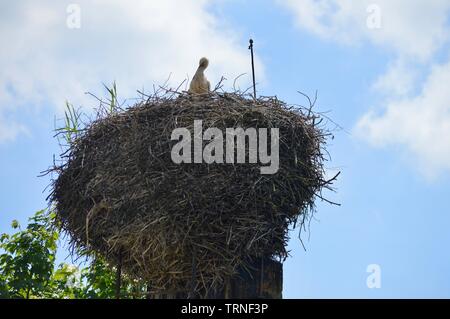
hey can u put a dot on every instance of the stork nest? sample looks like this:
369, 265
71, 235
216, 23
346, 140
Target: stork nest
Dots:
118, 193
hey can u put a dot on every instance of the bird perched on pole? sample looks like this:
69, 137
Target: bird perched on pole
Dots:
199, 83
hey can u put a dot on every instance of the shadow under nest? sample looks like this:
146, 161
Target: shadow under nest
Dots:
119, 194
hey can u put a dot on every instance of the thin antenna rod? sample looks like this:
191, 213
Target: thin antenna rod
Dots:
253, 68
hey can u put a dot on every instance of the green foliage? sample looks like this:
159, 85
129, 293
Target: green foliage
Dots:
27, 267
100, 281
65, 283
72, 123
113, 104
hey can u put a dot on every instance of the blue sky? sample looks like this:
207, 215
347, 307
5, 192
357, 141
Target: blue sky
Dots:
387, 86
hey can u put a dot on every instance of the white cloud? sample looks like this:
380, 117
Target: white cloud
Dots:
422, 123
413, 28
399, 79
10, 130
413, 31
136, 43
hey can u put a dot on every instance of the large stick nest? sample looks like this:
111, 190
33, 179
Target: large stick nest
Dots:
118, 192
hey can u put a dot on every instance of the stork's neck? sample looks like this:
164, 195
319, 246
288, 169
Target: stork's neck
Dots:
200, 69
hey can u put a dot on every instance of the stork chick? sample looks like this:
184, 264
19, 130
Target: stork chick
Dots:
199, 83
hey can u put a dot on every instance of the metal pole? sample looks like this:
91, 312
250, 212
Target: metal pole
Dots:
119, 276
253, 68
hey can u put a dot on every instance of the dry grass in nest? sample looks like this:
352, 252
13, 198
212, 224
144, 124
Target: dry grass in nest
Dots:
118, 193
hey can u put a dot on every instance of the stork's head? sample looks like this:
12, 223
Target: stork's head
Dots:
204, 63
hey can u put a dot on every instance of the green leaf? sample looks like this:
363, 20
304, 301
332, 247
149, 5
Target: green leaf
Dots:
15, 224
